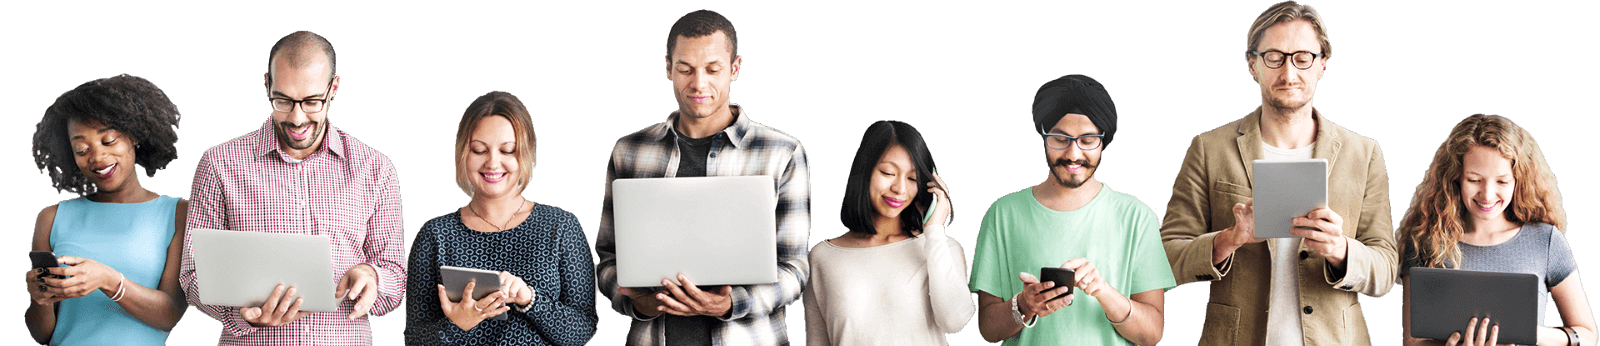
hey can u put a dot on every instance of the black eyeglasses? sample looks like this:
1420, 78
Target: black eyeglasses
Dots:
1274, 58
1060, 141
310, 105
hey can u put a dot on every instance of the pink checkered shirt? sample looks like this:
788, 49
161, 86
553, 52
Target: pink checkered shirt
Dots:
345, 190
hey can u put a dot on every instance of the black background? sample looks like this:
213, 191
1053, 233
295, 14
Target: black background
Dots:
965, 77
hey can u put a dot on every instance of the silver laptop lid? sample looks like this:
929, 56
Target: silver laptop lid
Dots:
714, 230
238, 268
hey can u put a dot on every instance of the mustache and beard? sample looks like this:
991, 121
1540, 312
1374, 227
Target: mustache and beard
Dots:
1068, 179
316, 131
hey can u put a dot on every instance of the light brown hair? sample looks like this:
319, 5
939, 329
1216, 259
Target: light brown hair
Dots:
1432, 227
1285, 12
501, 104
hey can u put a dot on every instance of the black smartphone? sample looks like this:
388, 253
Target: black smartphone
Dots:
45, 259
1061, 276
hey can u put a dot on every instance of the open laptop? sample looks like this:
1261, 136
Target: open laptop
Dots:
236, 268
1444, 300
714, 230
1285, 189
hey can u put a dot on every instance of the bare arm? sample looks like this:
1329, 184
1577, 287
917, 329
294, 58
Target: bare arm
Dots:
1146, 322
41, 319
994, 318
1575, 313
163, 306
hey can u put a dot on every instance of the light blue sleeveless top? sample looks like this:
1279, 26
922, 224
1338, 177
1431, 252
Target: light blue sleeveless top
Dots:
130, 238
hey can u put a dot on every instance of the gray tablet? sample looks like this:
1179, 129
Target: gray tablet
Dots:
455, 281
240, 268
1285, 189
1444, 300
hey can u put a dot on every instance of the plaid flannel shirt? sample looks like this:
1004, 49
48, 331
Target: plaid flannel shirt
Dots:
345, 190
757, 314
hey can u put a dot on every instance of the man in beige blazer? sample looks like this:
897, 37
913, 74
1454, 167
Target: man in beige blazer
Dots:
1289, 291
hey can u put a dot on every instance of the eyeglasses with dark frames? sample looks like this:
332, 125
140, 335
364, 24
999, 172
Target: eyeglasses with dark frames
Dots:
1060, 141
309, 105
1275, 58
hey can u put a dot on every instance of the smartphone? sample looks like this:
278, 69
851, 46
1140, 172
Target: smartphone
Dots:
931, 206
1061, 276
45, 259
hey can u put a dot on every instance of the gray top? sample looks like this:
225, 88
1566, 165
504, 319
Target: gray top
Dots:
1537, 249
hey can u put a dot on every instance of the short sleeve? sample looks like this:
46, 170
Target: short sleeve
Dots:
1408, 257
990, 267
1153, 271
1561, 263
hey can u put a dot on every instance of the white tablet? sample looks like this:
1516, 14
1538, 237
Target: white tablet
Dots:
715, 230
1285, 189
239, 268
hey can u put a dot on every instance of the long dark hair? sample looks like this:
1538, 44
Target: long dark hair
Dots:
857, 211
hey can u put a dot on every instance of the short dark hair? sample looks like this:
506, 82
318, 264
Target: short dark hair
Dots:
128, 104
1075, 94
297, 43
857, 210
699, 24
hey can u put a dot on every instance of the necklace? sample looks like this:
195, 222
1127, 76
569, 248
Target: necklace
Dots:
503, 225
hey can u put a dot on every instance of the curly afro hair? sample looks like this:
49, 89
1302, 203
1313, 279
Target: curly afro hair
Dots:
125, 103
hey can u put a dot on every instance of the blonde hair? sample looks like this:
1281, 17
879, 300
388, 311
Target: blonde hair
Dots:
1432, 227
501, 104
1284, 12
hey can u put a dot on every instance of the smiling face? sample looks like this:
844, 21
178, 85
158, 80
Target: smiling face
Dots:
1288, 88
894, 183
103, 154
1487, 183
300, 133
1072, 167
491, 158
701, 70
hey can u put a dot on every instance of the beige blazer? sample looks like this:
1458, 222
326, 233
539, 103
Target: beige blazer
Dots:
1216, 174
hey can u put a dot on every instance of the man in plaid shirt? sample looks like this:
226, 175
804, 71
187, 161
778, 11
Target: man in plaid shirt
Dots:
299, 175
709, 137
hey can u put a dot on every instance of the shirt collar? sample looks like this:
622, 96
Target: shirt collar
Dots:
736, 132
267, 142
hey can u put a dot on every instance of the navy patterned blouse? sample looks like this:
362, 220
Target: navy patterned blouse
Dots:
548, 251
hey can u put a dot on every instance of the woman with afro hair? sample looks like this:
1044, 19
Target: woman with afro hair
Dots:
118, 242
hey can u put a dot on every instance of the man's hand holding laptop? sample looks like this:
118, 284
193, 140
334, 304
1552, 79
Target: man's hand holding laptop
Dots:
360, 283
681, 300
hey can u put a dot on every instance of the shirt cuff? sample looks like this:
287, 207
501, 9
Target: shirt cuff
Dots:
740, 306
627, 305
1355, 264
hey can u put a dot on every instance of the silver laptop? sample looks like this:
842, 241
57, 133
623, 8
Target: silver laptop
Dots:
1444, 300
236, 268
1285, 189
714, 230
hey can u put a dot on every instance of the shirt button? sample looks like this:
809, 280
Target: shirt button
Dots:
1307, 309
1303, 255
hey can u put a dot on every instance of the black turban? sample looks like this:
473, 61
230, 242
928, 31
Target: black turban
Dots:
1075, 94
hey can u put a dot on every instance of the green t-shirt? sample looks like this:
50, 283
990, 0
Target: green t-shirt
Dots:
1115, 232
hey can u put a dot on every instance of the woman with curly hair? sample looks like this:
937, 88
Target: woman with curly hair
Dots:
117, 237
1489, 202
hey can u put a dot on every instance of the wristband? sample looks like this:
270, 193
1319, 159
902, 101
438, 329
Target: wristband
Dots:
120, 282
1125, 319
1016, 313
